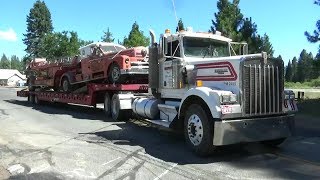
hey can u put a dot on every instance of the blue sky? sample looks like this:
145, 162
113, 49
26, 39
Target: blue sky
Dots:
285, 21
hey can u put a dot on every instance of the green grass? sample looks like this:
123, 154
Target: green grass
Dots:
305, 85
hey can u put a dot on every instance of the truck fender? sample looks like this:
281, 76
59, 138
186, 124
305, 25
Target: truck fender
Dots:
209, 96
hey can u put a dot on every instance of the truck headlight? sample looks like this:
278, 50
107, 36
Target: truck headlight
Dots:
228, 98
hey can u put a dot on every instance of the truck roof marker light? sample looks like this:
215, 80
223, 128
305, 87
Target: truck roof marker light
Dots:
199, 83
167, 31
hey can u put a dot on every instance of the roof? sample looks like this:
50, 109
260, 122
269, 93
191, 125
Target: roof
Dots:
103, 44
7, 73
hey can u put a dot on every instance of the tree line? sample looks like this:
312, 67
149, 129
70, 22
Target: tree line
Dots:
305, 67
11, 63
42, 41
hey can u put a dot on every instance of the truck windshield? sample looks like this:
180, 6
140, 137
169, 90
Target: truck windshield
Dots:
205, 47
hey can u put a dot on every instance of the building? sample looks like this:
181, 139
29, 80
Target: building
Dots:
11, 77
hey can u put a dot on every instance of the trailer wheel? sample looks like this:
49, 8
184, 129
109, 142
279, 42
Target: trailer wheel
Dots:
114, 73
274, 142
66, 86
36, 100
198, 130
31, 98
118, 114
107, 104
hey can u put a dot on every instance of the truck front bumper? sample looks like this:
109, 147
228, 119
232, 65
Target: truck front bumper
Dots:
251, 130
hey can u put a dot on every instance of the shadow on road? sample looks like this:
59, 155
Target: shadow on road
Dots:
76, 111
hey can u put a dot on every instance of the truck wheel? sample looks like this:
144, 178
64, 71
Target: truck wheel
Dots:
66, 86
198, 130
274, 142
116, 113
107, 104
114, 73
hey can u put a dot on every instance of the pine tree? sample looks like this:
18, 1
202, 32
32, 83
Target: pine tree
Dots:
15, 63
38, 25
294, 69
180, 26
107, 37
266, 45
228, 20
316, 33
136, 37
304, 69
288, 75
4, 62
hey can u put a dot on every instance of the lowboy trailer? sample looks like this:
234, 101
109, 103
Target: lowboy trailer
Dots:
198, 85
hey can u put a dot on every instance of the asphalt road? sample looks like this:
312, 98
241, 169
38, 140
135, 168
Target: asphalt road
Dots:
55, 141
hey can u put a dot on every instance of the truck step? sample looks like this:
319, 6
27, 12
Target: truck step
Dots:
160, 122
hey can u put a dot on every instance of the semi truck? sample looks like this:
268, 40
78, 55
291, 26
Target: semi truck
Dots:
203, 85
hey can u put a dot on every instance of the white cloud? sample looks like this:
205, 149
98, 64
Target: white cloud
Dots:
8, 35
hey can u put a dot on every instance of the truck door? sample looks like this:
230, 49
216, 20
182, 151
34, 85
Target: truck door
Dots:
172, 66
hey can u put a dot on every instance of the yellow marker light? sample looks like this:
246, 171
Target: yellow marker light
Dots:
199, 83
167, 31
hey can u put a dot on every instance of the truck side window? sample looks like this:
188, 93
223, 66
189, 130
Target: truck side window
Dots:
173, 49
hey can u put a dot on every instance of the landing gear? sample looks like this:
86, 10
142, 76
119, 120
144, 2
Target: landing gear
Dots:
198, 130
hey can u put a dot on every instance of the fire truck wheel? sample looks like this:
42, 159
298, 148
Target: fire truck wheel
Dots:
274, 142
198, 130
66, 86
114, 73
107, 104
118, 114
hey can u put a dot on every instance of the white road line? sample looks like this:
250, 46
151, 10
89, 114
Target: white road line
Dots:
110, 161
165, 172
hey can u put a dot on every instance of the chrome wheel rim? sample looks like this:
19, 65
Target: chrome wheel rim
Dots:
195, 129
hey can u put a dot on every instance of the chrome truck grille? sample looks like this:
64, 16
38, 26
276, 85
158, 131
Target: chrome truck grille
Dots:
262, 86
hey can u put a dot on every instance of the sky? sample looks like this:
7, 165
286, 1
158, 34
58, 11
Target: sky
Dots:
285, 21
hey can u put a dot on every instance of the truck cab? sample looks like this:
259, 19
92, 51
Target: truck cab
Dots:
222, 95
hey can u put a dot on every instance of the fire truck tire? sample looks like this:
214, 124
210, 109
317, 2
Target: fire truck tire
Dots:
107, 104
274, 142
66, 86
114, 73
198, 130
118, 114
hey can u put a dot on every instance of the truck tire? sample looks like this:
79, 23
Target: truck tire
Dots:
118, 114
198, 130
66, 86
107, 104
274, 142
114, 74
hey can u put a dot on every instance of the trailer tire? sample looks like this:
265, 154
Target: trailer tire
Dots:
107, 104
36, 100
118, 114
31, 98
274, 142
198, 130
